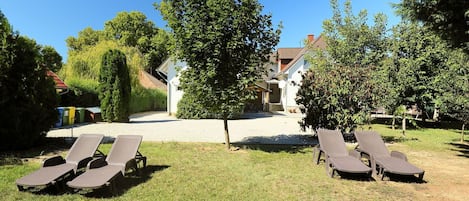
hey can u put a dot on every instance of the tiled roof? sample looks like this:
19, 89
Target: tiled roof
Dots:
59, 84
320, 43
288, 53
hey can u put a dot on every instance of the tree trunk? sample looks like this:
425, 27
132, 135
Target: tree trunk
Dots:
404, 119
462, 132
393, 122
227, 134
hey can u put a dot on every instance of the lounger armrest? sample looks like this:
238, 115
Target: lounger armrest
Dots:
354, 153
56, 160
96, 163
398, 154
83, 163
131, 164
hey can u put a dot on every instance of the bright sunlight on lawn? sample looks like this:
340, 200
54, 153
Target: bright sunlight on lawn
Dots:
204, 171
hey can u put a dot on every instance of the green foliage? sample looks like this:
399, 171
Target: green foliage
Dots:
82, 71
189, 108
224, 42
147, 99
337, 91
455, 87
131, 29
335, 97
418, 58
28, 97
114, 87
50, 58
448, 18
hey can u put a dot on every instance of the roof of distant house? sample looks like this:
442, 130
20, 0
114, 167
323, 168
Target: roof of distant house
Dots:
288, 53
59, 84
319, 43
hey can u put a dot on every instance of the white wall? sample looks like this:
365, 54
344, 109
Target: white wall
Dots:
174, 94
294, 76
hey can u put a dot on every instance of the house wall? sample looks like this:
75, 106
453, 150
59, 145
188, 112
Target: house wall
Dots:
290, 89
174, 94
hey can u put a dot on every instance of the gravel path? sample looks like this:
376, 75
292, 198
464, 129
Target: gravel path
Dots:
255, 128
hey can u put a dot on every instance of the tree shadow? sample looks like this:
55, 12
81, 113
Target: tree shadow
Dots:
150, 121
462, 148
46, 147
278, 143
125, 183
394, 139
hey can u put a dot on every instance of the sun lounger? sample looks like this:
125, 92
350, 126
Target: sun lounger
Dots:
57, 169
123, 156
383, 162
338, 159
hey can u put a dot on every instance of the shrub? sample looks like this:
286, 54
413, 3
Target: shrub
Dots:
147, 99
189, 108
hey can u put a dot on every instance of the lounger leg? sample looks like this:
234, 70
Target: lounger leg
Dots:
421, 176
20, 188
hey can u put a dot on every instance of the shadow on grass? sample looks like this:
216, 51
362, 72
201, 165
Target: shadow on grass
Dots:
47, 147
279, 143
123, 184
356, 177
462, 148
404, 178
394, 139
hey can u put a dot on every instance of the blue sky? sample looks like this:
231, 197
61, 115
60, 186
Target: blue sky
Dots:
50, 22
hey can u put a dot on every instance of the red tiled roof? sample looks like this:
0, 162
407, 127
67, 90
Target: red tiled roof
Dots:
319, 43
59, 84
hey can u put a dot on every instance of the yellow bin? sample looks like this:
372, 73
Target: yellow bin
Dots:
71, 115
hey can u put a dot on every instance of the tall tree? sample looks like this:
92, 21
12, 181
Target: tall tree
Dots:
114, 88
337, 90
27, 96
416, 60
225, 43
454, 85
50, 58
448, 18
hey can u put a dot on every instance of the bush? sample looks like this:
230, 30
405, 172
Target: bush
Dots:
146, 100
188, 108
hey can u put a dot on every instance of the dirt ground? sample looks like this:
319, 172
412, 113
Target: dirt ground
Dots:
446, 175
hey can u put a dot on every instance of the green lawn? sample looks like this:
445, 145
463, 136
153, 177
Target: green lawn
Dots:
204, 171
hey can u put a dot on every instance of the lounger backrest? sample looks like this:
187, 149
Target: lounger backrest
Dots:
125, 148
332, 142
85, 146
372, 143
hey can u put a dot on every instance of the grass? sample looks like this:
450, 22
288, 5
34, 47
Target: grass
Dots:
205, 171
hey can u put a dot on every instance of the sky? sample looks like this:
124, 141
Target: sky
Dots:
51, 22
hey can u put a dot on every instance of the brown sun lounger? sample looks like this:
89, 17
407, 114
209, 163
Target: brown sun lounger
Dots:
372, 146
332, 144
123, 156
57, 169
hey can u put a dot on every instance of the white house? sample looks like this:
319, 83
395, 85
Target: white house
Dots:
291, 65
276, 92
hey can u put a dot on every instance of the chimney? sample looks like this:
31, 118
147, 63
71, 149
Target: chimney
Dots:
310, 38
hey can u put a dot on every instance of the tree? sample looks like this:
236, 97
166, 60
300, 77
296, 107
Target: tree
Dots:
455, 89
28, 98
448, 18
131, 29
337, 91
417, 59
225, 43
50, 58
114, 88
